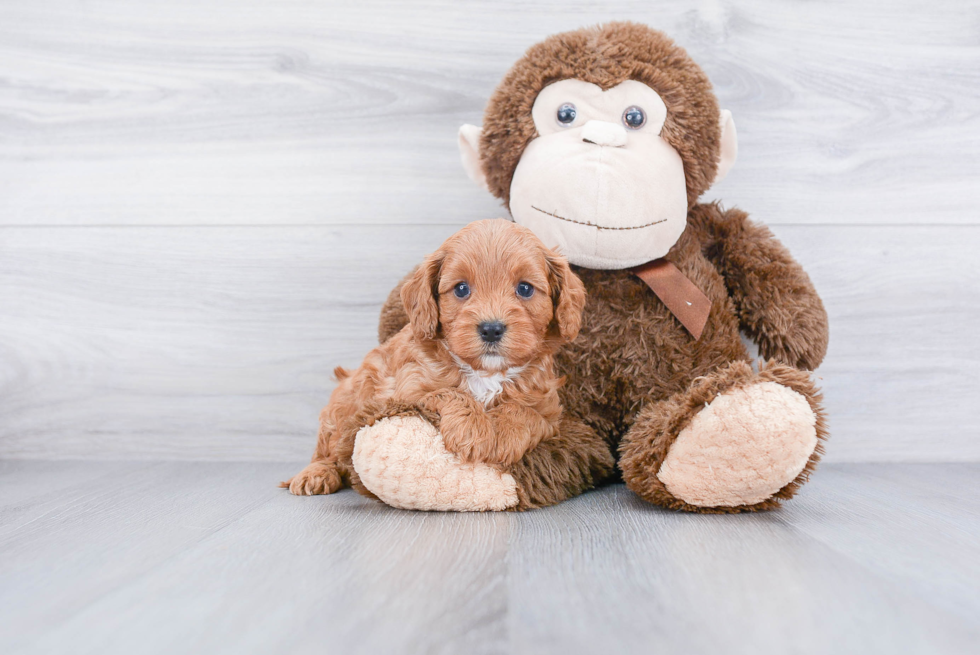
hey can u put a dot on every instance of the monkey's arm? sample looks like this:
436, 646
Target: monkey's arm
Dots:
393, 317
777, 304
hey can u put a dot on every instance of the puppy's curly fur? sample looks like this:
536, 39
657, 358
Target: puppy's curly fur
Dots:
493, 400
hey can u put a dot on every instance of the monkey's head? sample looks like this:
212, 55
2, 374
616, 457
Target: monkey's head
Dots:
600, 140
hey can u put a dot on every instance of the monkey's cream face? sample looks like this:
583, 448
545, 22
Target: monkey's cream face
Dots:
599, 183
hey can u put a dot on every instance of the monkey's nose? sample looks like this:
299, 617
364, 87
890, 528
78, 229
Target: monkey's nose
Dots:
603, 133
491, 331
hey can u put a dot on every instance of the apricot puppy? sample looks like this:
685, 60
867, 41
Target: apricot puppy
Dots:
486, 312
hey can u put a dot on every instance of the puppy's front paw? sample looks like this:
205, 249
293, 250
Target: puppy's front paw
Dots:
457, 444
316, 479
487, 448
447, 402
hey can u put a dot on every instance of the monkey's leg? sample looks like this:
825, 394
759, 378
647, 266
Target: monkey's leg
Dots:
565, 465
735, 441
403, 461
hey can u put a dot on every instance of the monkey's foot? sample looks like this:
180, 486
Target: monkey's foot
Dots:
736, 441
402, 460
742, 448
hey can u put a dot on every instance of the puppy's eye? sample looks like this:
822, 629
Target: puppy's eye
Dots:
461, 290
566, 114
525, 290
634, 117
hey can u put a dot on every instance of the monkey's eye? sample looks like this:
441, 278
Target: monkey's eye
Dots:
461, 290
634, 117
566, 114
525, 290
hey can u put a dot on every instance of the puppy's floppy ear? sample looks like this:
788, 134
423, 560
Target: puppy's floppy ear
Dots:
567, 296
420, 297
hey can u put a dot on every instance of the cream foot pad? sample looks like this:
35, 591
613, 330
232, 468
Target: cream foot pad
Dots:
743, 447
402, 461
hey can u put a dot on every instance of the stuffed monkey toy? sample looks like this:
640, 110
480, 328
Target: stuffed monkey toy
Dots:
601, 141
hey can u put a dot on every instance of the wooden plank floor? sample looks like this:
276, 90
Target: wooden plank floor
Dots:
164, 557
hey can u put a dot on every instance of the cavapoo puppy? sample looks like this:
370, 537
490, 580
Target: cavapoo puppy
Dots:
486, 312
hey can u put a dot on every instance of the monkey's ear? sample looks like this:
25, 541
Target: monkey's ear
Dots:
729, 146
567, 296
469, 151
420, 297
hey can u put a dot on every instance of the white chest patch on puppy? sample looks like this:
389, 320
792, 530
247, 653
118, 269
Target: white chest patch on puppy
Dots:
486, 385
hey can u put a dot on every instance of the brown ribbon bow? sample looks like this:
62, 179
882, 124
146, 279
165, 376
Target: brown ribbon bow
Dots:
679, 294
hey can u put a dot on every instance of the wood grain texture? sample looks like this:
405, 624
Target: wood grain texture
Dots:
238, 112
882, 503
218, 343
212, 558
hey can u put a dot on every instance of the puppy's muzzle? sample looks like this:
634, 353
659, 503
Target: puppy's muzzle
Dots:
491, 331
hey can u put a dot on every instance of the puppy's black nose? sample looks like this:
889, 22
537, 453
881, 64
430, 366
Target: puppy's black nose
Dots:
491, 331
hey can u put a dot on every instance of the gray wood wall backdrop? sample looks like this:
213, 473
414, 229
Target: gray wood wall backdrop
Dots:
203, 203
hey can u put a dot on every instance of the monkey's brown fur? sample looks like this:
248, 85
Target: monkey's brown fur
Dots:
635, 376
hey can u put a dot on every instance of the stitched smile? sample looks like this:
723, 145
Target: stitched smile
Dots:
598, 227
